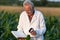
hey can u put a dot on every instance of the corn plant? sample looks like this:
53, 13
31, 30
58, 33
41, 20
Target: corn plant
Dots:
8, 22
53, 28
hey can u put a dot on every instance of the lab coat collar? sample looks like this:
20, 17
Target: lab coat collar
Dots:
33, 19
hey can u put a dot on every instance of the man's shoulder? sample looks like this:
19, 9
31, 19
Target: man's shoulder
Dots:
39, 12
22, 13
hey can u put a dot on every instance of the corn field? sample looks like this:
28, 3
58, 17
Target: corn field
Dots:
9, 22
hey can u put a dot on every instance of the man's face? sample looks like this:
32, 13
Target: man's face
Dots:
28, 8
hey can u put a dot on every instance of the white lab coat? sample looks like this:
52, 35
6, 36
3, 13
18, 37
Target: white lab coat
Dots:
37, 23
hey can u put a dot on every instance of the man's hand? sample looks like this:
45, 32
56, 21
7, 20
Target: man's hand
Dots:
21, 38
32, 31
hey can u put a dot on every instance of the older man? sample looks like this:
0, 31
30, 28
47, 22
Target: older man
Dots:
32, 22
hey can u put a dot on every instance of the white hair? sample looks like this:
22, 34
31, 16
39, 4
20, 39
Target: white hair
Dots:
29, 2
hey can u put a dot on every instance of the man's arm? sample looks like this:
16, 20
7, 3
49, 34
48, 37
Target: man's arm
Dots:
19, 27
42, 27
